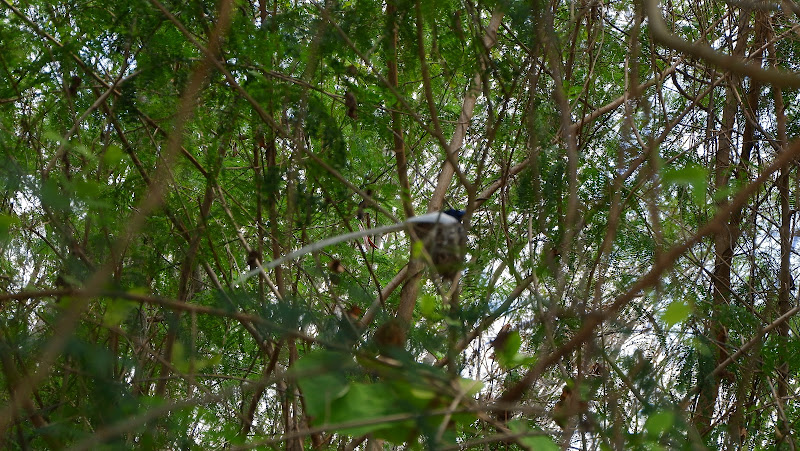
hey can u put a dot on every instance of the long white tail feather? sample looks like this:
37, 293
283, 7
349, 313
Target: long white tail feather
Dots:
435, 217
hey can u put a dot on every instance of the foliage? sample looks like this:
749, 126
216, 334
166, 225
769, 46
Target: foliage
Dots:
628, 282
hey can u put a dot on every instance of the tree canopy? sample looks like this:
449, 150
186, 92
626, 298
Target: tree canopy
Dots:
628, 172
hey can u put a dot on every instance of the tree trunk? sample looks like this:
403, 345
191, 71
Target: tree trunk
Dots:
724, 242
784, 276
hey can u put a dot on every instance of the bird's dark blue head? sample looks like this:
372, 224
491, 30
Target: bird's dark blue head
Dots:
458, 214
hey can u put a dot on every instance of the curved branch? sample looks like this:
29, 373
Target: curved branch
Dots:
730, 63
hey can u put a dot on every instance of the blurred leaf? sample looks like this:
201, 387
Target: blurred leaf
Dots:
509, 349
84, 151
659, 422
417, 249
321, 376
87, 190
536, 441
53, 197
7, 222
427, 305
117, 310
677, 312
366, 402
113, 156
471, 387
359, 295
179, 358
692, 175
508, 355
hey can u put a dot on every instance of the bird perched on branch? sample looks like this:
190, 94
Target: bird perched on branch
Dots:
444, 238
442, 235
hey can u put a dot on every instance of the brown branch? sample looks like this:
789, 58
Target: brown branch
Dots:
611, 106
727, 62
397, 121
167, 303
464, 118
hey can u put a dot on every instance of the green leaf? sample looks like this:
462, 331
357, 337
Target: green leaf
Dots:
179, 357
112, 156
509, 349
417, 249
508, 355
659, 422
365, 402
87, 190
84, 151
359, 295
53, 197
6, 223
538, 442
117, 310
693, 175
427, 305
470, 386
321, 376
676, 312
200, 364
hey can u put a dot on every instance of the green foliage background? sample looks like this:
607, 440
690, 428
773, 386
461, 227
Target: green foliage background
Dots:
141, 179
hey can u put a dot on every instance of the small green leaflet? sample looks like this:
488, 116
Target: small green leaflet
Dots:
693, 176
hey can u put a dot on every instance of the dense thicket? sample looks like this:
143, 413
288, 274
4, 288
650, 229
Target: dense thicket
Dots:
628, 172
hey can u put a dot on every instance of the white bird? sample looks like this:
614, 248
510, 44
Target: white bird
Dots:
441, 233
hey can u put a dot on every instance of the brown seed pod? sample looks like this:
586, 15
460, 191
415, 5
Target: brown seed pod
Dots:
351, 103
335, 266
391, 335
74, 84
253, 259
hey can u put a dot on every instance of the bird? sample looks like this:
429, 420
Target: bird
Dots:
442, 234
444, 238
